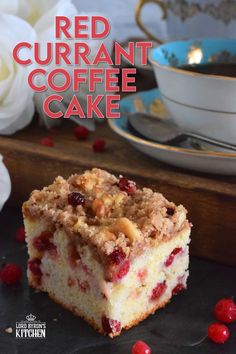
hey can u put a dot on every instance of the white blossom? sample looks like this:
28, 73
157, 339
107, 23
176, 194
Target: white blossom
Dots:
5, 184
16, 97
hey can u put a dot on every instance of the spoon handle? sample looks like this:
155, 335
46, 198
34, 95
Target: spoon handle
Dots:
211, 141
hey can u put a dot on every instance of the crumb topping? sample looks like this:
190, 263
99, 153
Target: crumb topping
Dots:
110, 217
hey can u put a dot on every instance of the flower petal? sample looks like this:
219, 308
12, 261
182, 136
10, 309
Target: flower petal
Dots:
16, 96
47, 20
5, 184
32, 10
6, 71
21, 122
14, 30
9, 6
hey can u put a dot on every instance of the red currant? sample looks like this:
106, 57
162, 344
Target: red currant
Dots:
47, 141
170, 211
99, 145
123, 270
225, 310
218, 333
179, 287
171, 257
42, 242
81, 133
20, 234
117, 256
75, 199
158, 291
34, 266
110, 326
141, 347
127, 185
11, 274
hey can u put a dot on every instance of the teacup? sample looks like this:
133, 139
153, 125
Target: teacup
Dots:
198, 102
186, 19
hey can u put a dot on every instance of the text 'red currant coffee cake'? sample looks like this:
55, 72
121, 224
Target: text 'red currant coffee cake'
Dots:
106, 250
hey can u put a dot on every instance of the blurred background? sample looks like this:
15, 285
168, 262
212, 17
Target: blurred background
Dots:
122, 15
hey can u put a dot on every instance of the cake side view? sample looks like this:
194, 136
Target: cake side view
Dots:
106, 250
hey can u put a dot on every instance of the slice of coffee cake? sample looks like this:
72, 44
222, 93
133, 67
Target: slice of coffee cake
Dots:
106, 250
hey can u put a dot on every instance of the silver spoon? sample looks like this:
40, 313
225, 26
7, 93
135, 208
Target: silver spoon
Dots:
166, 132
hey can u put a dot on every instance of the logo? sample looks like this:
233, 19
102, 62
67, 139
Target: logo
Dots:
30, 328
30, 317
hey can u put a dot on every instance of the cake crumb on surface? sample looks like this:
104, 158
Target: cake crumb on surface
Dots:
9, 330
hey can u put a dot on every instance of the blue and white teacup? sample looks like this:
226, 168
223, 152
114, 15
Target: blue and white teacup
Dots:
198, 102
186, 19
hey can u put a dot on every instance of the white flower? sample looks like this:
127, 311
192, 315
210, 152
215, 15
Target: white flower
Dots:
5, 184
16, 97
30, 10
41, 15
9, 7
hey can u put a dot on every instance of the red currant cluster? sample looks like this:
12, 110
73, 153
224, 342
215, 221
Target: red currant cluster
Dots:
218, 332
81, 133
225, 312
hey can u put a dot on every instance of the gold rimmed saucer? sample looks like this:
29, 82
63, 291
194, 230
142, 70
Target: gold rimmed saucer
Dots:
219, 162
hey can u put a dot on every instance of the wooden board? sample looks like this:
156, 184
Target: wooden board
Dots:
211, 200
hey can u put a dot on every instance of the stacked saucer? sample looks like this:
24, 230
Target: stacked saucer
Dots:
190, 154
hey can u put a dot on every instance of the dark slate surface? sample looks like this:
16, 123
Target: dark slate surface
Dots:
174, 330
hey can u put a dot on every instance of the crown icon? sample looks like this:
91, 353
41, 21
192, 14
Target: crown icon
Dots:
30, 317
